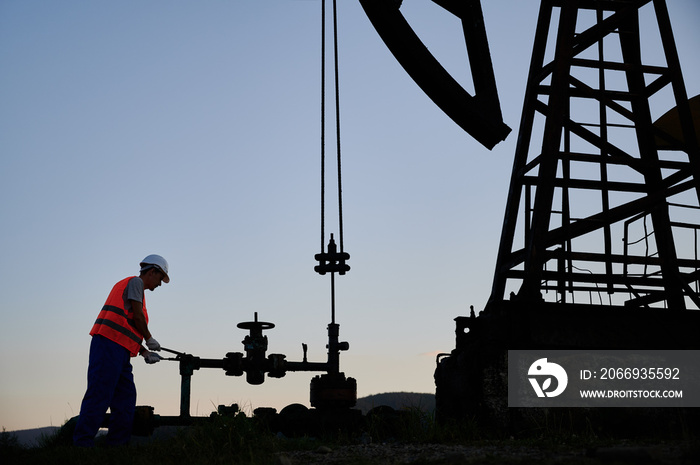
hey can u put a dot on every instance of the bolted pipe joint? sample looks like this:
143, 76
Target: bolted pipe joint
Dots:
277, 365
233, 364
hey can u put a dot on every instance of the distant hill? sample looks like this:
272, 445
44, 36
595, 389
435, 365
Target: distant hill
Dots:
31, 437
398, 401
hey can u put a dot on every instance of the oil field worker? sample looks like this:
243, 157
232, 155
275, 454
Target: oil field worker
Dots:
117, 334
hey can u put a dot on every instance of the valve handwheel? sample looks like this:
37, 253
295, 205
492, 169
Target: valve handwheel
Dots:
262, 325
256, 325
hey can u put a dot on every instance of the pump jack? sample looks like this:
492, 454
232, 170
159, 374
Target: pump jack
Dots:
644, 170
599, 202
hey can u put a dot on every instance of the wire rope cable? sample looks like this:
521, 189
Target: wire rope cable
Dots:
323, 123
337, 123
333, 261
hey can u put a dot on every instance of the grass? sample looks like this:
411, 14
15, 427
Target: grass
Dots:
231, 440
239, 439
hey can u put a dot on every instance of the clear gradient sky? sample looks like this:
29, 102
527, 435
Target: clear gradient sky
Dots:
191, 130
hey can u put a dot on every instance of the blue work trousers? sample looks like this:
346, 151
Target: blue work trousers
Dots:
110, 385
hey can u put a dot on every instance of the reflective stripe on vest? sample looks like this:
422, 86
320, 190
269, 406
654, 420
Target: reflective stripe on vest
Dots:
116, 324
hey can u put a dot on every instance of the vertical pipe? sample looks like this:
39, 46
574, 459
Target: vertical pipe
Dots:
332, 297
185, 395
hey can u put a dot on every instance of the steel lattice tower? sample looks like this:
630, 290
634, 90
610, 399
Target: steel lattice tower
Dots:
604, 194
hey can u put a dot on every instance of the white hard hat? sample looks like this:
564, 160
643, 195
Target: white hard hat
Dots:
157, 261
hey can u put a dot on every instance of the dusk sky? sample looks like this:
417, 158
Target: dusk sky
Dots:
192, 130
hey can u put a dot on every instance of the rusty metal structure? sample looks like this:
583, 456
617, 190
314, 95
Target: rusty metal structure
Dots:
599, 245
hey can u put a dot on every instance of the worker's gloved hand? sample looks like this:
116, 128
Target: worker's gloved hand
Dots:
151, 357
152, 344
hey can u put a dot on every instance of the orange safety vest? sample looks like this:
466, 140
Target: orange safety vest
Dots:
117, 324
